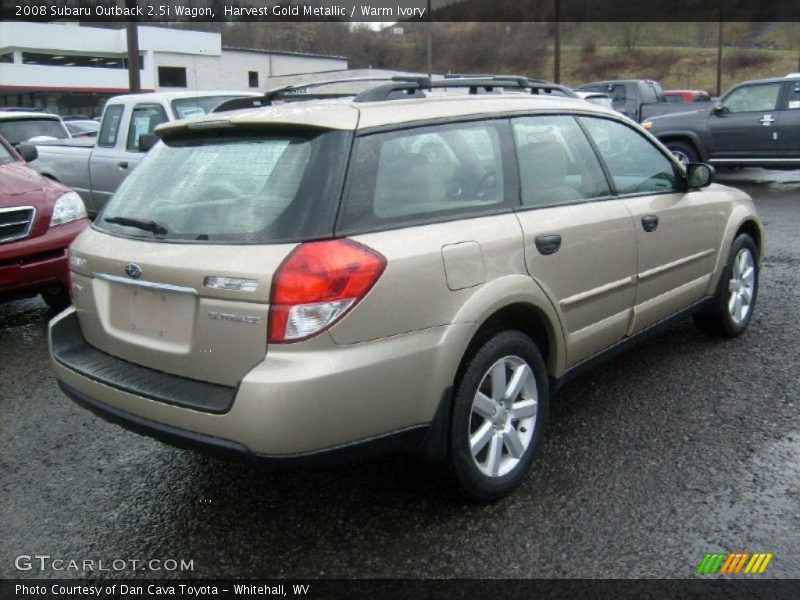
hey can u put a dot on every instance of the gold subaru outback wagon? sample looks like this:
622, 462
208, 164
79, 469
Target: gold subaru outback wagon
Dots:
409, 268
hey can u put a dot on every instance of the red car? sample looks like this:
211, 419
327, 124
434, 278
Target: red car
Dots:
39, 218
686, 96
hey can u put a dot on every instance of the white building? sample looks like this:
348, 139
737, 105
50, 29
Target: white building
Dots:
71, 69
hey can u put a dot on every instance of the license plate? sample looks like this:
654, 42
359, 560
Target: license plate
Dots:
153, 314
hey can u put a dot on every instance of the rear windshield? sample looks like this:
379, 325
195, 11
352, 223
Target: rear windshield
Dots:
21, 130
270, 188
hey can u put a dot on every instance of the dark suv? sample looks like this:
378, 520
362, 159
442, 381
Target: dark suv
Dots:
755, 124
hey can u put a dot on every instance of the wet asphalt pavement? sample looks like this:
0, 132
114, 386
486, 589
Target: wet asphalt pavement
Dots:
682, 446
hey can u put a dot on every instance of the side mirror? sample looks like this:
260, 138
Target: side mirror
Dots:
147, 141
719, 109
27, 151
700, 175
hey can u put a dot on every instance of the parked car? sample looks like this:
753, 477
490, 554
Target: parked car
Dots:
686, 96
28, 109
18, 126
596, 98
82, 129
95, 168
755, 124
39, 219
637, 99
296, 282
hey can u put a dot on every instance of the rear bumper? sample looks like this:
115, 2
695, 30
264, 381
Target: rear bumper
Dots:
308, 406
30, 265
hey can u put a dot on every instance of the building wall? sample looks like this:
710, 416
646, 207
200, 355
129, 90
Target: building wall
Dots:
208, 66
230, 70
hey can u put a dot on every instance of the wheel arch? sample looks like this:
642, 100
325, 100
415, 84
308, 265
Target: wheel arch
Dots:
686, 137
742, 220
521, 316
753, 229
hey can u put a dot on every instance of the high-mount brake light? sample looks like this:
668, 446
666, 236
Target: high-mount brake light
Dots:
317, 284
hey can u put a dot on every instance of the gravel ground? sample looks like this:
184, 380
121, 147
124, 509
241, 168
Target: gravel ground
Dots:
682, 446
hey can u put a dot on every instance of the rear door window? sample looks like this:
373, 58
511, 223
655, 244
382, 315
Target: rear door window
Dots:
109, 128
793, 95
424, 174
556, 162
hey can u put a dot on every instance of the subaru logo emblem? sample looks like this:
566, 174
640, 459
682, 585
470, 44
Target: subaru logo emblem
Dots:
133, 270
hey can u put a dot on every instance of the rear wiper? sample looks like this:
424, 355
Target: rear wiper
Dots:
143, 224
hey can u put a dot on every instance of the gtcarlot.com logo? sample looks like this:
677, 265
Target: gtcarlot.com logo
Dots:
45, 562
734, 563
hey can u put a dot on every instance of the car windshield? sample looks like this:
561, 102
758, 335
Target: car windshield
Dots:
76, 127
5, 155
21, 130
187, 108
234, 189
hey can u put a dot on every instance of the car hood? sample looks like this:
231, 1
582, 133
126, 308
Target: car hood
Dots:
19, 184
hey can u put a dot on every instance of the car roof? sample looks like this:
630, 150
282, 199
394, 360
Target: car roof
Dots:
607, 81
168, 96
14, 114
789, 77
351, 115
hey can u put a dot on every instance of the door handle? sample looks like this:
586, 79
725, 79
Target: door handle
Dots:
650, 223
548, 243
123, 164
767, 120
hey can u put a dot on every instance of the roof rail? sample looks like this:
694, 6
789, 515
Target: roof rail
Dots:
412, 86
401, 86
295, 90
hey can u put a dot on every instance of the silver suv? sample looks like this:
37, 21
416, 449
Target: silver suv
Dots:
399, 270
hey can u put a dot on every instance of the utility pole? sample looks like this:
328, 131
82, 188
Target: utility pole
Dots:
557, 43
134, 79
719, 53
430, 41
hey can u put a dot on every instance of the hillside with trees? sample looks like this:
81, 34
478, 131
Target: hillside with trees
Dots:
678, 54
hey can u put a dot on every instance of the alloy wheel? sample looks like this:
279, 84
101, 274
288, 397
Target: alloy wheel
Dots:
503, 416
741, 286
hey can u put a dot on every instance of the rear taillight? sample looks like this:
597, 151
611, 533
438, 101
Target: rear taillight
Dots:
317, 284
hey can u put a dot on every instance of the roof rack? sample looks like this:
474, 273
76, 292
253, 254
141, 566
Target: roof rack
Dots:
412, 85
401, 86
294, 91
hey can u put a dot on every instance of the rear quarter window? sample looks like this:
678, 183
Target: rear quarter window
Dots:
425, 174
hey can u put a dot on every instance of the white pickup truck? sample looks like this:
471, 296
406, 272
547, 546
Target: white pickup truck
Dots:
95, 167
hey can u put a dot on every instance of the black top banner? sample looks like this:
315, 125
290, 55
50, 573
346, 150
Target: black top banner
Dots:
388, 11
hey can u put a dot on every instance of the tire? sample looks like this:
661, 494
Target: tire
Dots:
723, 318
505, 435
56, 298
683, 151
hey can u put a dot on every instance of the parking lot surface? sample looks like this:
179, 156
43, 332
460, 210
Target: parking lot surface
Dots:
682, 446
